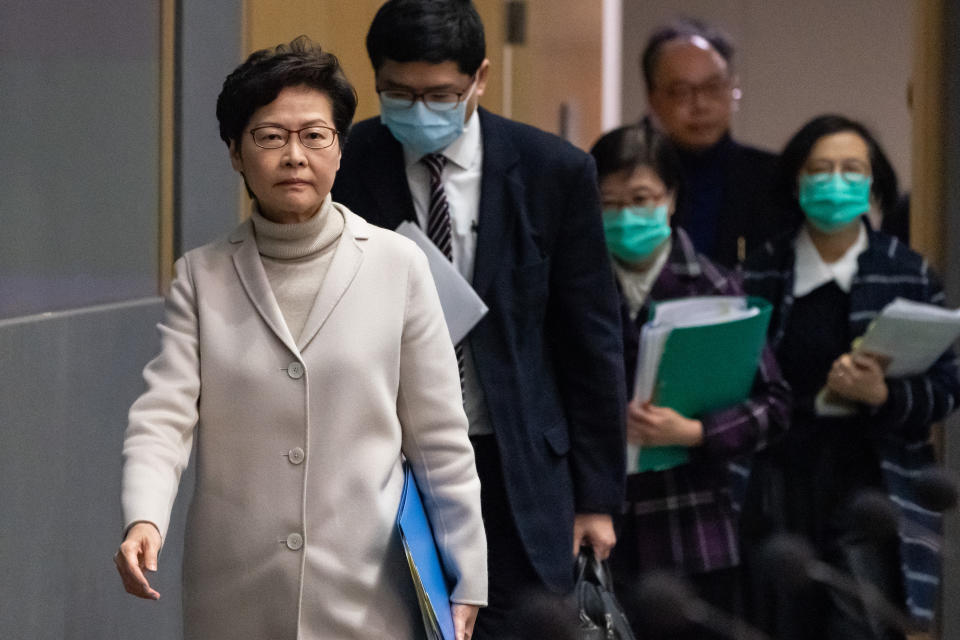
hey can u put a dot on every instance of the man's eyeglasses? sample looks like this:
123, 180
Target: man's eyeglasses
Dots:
274, 137
439, 101
713, 90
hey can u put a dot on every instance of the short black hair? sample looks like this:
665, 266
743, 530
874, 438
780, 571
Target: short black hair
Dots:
265, 73
638, 145
797, 150
431, 31
684, 28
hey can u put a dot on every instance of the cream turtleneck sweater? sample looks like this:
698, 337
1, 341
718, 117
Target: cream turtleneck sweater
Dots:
296, 257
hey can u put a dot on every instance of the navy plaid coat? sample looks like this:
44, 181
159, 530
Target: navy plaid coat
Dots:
887, 269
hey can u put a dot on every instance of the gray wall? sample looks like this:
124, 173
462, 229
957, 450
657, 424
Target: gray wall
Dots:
66, 381
208, 188
79, 102
797, 60
68, 375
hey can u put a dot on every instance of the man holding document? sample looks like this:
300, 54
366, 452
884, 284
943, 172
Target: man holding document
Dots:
516, 212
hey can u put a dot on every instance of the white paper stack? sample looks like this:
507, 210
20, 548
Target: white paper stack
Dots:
462, 307
699, 311
911, 335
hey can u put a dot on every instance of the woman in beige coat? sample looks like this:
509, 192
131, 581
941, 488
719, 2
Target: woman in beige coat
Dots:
304, 352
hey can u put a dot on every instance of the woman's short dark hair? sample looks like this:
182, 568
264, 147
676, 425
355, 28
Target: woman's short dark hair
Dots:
797, 150
639, 145
684, 28
265, 73
432, 31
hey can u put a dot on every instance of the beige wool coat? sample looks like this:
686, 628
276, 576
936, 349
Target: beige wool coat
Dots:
291, 532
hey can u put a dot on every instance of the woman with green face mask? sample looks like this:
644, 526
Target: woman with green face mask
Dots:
680, 519
853, 429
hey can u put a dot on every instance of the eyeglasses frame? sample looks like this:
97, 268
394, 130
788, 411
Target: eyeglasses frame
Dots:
253, 134
422, 96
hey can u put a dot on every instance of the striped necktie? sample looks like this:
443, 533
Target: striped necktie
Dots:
438, 224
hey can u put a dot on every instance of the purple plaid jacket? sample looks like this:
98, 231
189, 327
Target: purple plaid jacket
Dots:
682, 518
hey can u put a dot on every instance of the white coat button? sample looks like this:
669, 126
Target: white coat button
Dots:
294, 541
295, 370
296, 455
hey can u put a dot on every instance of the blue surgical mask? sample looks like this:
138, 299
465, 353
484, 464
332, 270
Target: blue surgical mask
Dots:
832, 201
634, 233
420, 129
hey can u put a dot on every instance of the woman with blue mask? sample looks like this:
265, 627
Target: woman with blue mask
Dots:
853, 429
679, 519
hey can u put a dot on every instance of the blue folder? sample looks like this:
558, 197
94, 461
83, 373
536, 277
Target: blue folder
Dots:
426, 569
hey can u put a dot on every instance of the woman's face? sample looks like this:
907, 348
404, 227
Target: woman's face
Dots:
289, 183
640, 187
843, 152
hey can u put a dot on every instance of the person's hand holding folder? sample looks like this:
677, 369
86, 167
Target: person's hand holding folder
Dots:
464, 618
652, 426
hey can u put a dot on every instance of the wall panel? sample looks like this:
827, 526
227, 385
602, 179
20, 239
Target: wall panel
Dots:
66, 382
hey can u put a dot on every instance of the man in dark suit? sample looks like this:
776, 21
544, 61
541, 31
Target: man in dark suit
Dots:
517, 211
727, 204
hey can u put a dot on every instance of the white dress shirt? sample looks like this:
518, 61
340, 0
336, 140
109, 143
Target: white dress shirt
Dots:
810, 270
461, 183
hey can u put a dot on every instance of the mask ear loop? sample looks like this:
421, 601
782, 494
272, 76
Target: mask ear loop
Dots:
473, 85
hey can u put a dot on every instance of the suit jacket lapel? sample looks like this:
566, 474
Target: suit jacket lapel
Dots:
343, 268
501, 197
246, 260
388, 180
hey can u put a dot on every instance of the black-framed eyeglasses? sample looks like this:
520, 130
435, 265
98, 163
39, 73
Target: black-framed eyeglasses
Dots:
434, 100
274, 137
714, 90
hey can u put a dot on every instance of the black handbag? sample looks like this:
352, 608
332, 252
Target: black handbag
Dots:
601, 616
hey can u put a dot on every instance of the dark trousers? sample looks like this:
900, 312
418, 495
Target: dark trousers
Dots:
520, 607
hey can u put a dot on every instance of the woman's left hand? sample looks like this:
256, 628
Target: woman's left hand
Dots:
661, 426
858, 377
464, 617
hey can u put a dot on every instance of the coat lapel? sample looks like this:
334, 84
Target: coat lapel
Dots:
343, 268
388, 180
246, 260
501, 197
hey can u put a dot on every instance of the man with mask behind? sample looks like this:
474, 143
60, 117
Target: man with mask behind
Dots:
692, 93
518, 213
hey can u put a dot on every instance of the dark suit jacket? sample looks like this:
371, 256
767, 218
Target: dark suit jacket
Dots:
548, 354
748, 208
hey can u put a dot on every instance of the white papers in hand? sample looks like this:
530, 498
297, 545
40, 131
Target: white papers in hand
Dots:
701, 311
462, 307
911, 334
652, 340
696, 311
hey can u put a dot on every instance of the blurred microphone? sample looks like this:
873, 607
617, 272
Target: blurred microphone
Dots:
669, 605
876, 516
793, 563
935, 489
